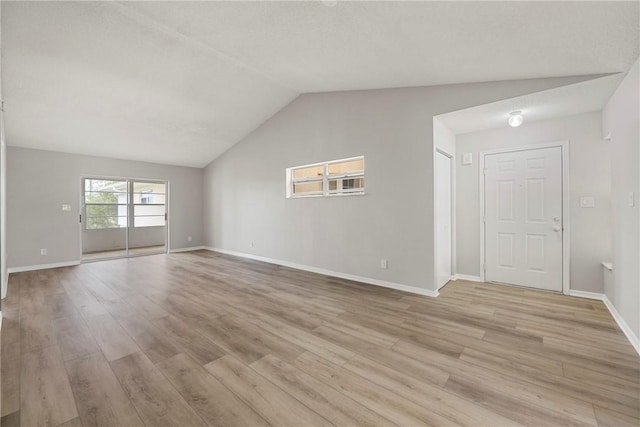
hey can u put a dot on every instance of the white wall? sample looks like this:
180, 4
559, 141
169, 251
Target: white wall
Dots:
443, 138
3, 206
589, 176
393, 128
620, 120
39, 182
3, 190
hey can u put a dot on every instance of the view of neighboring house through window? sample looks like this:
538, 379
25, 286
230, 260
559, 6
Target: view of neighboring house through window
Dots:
105, 203
148, 204
334, 178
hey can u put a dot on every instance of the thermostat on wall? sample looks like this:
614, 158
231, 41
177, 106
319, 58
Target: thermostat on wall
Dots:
467, 158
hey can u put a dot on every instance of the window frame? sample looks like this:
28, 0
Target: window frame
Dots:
133, 204
130, 205
85, 220
326, 177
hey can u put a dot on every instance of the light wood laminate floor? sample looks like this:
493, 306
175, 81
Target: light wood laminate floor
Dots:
199, 338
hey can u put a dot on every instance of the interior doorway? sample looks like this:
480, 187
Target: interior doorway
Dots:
524, 214
123, 217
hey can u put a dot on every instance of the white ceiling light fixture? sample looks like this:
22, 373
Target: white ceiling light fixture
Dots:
515, 119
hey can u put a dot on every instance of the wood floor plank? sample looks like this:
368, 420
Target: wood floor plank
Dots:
216, 404
272, 403
156, 401
289, 347
36, 330
10, 374
188, 340
10, 324
507, 404
368, 394
76, 422
11, 420
145, 307
450, 406
84, 301
566, 386
112, 339
629, 362
629, 386
45, 393
608, 418
247, 341
100, 398
306, 340
574, 410
337, 408
74, 338
156, 345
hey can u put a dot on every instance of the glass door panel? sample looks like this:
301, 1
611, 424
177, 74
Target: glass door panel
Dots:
123, 218
104, 219
148, 227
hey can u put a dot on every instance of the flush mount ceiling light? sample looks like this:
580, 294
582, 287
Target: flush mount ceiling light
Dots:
515, 119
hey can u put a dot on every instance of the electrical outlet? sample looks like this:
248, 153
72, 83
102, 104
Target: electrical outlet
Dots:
251, 244
66, 207
43, 251
631, 199
384, 264
189, 238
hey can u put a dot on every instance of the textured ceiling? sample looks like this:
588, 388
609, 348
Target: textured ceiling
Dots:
180, 82
578, 98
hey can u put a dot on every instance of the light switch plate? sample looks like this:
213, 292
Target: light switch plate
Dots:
66, 207
631, 199
587, 202
467, 158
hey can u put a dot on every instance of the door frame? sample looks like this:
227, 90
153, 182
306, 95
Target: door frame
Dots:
119, 178
566, 227
452, 182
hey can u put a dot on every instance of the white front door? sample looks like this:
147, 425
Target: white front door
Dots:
523, 218
443, 218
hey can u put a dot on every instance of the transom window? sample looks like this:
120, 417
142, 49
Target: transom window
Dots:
333, 178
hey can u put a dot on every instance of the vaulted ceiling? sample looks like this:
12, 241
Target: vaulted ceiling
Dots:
181, 82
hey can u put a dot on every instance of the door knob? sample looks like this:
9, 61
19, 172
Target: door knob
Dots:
557, 228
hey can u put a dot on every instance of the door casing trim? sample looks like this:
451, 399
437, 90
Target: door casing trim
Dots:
566, 232
452, 183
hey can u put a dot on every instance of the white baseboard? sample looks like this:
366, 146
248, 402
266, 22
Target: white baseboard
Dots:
467, 277
192, 248
42, 266
376, 282
588, 295
633, 339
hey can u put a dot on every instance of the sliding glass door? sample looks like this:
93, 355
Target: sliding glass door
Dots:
123, 217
